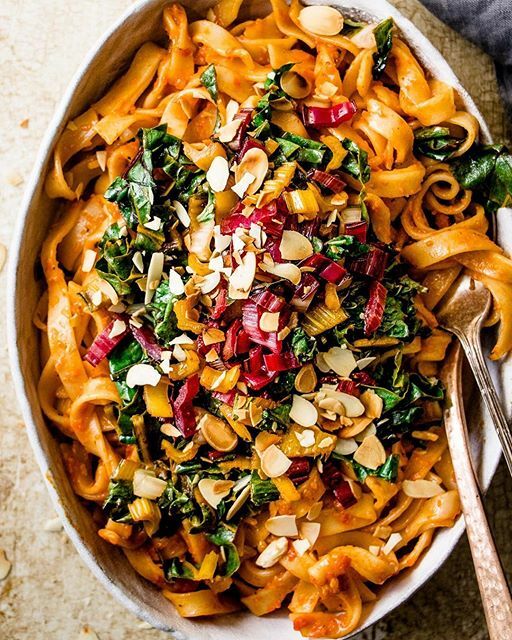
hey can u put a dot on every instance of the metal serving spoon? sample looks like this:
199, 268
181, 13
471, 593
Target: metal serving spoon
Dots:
494, 591
464, 309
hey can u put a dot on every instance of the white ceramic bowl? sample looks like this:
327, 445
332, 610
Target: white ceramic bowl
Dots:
102, 65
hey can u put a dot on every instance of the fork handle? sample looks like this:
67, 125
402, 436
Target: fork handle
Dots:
496, 600
473, 350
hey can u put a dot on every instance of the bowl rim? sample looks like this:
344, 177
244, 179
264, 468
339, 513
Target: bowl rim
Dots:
421, 46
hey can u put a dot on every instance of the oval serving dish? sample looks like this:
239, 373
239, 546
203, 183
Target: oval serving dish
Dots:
104, 63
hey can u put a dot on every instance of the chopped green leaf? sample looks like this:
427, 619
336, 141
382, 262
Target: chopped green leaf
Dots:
304, 347
209, 81
355, 163
436, 142
277, 419
384, 39
262, 491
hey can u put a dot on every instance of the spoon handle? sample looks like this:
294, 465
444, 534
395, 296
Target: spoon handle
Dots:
496, 600
471, 343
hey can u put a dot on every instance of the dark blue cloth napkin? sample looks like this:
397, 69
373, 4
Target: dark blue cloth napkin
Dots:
487, 23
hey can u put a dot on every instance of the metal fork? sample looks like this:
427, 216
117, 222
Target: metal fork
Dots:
464, 309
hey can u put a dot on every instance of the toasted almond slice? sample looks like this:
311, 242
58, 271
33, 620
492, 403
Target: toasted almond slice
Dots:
364, 362
341, 361
326, 442
370, 453
213, 492
154, 224
373, 403
269, 321
213, 336
353, 406
254, 162
142, 374
295, 246
229, 130
89, 260
421, 488
306, 438
282, 526
155, 269
310, 531
374, 549
272, 553
170, 430
182, 213
108, 290
138, 261
321, 363
176, 286
181, 339
365, 37
285, 270
321, 20
242, 498
303, 412
218, 174
210, 282
391, 543
118, 328
306, 379
370, 430
274, 463
300, 546
241, 186
241, 279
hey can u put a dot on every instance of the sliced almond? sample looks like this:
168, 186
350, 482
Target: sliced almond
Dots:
217, 433
214, 491
176, 286
218, 174
272, 553
374, 549
254, 162
228, 132
370, 430
274, 463
182, 213
321, 20
341, 361
242, 498
310, 531
241, 279
421, 488
154, 224
353, 406
370, 453
241, 186
108, 290
118, 328
303, 412
321, 363
170, 430
142, 374
269, 321
306, 379
392, 541
364, 362
282, 526
300, 546
285, 270
295, 85
155, 269
89, 260
138, 261
295, 246
306, 438
373, 404
210, 282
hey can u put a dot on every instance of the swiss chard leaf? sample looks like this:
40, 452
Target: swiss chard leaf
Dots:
384, 39
436, 142
277, 419
208, 213
262, 491
209, 81
119, 496
161, 311
304, 347
355, 163
342, 246
224, 537
283, 385
487, 170
387, 471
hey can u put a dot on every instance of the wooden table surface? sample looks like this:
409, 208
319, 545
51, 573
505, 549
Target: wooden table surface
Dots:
49, 593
